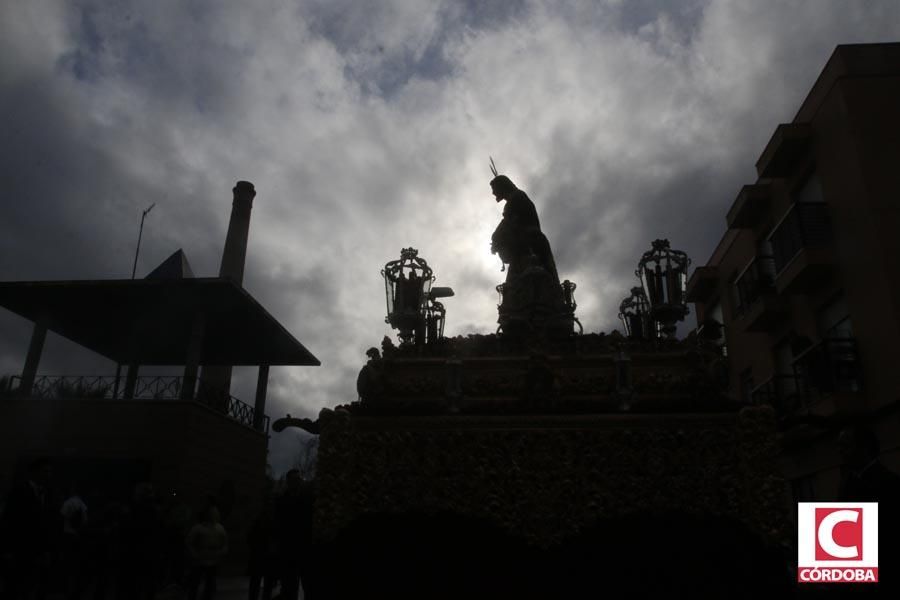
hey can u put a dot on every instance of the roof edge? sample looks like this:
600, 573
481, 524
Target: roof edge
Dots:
850, 60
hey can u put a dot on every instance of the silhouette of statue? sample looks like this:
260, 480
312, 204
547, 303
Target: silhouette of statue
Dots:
519, 235
532, 303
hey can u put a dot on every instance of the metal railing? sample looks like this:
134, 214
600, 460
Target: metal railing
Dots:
166, 387
156, 388
102, 386
805, 224
756, 279
780, 392
219, 400
71, 386
831, 365
825, 368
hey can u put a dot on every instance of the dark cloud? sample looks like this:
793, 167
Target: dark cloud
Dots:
393, 43
641, 16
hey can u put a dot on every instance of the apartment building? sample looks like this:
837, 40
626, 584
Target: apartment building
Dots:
806, 277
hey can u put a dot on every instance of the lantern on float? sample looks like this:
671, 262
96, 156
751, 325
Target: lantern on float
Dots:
634, 312
412, 306
663, 275
407, 282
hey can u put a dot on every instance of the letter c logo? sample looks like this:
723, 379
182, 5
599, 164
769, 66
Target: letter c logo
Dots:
826, 534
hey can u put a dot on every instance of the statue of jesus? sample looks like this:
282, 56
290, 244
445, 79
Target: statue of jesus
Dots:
518, 237
532, 300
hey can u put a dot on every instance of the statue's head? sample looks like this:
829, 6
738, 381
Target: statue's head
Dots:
502, 187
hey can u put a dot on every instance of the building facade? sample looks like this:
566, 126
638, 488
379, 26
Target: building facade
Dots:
806, 277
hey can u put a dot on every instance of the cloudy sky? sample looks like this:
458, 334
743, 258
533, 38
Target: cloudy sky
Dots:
366, 127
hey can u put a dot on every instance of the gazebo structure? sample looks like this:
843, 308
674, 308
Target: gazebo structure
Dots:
177, 432
183, 433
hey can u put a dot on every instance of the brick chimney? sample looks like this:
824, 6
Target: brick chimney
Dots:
235, 253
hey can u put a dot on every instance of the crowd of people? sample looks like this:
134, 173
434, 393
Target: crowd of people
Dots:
76, 544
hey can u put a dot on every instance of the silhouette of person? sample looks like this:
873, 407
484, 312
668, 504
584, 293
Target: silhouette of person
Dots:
140, 540
176, 523
74, 513
207, 543
262, 564
519, 234
104, 530
31, 522
294, 535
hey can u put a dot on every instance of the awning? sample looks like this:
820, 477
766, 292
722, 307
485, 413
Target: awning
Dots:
149, 322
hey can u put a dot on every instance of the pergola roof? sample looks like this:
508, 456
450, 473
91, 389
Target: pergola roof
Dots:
149, 322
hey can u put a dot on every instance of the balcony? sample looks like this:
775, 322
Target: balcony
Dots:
702, 284
831, 366
801, 248
829, 375
758, 308
146, 388
826, 382
785, 149
750, 206
780, 392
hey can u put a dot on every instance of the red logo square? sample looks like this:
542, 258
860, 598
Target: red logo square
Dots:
839, 533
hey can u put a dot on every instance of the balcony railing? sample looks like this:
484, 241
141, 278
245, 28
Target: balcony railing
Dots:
757, 279
806, 224
829, 367
146, 388
780, 392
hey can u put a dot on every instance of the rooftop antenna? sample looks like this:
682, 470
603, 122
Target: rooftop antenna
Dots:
493, 166
140, 233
